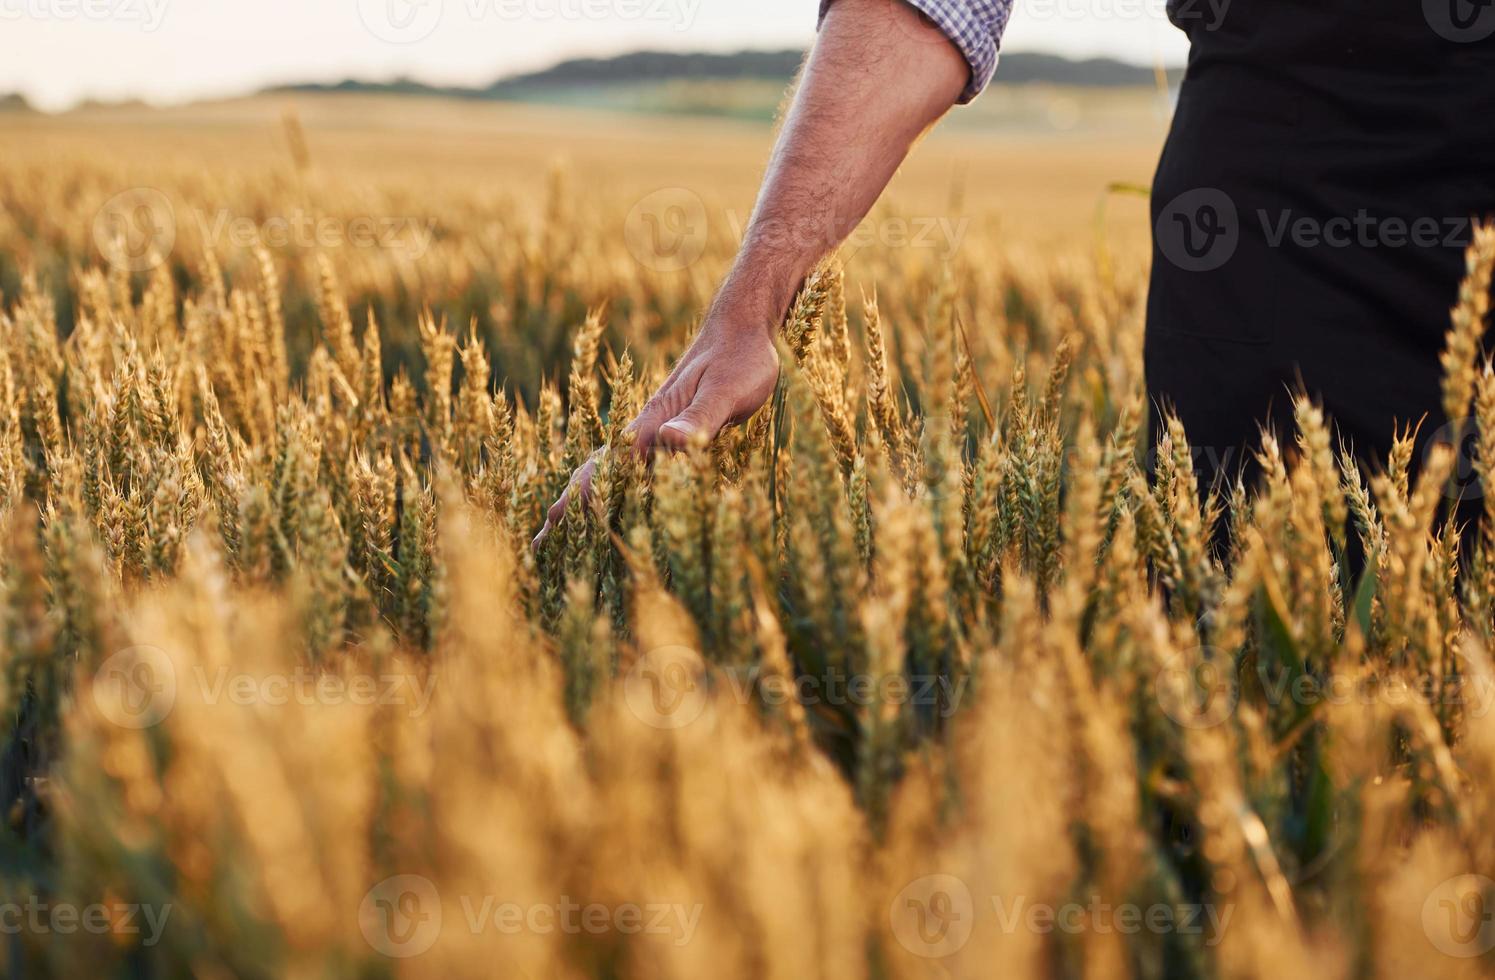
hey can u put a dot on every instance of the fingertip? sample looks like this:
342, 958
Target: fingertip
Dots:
643, 442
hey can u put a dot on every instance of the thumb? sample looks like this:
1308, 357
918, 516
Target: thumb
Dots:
707, 414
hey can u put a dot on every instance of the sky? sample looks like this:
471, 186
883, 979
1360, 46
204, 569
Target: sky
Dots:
58, 52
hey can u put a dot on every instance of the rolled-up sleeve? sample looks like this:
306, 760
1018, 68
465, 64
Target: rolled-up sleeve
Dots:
975, 28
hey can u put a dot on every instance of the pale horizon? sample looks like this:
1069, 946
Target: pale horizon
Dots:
63, 52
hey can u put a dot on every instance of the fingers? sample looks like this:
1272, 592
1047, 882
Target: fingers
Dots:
581, 484
558, 509
706, 415
552, 518
645, 428
674, 395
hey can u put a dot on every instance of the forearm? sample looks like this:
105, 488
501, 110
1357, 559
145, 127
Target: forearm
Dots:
878, 77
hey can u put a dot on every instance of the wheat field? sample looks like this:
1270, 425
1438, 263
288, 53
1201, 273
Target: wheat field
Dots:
919, 673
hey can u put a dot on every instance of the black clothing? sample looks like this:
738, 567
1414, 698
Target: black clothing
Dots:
1311, 211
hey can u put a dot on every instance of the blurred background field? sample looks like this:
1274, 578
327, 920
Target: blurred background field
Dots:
1027, 172
1032, 163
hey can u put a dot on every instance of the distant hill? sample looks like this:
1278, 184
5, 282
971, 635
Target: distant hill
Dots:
15, 102
399, 86
651, 67
110, 105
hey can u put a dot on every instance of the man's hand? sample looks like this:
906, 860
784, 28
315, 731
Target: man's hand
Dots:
879, 76
724, 378
726, 375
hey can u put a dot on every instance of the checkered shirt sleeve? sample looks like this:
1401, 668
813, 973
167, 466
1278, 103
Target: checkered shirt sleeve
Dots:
974, 26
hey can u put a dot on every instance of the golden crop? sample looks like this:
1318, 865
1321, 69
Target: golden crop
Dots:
916, 674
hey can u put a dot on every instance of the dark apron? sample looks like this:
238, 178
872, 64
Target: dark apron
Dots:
1310, 213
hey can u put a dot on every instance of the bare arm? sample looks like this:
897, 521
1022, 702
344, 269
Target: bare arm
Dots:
878, 77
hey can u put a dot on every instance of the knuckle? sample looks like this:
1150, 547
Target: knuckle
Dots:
701, 413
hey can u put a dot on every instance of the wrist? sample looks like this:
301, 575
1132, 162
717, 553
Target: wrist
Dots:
758, 292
